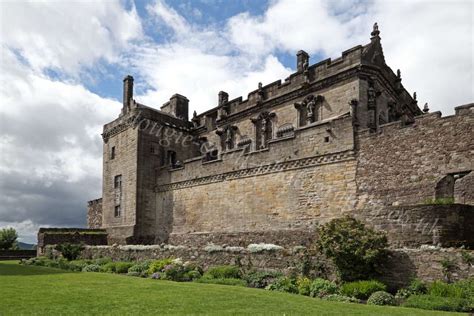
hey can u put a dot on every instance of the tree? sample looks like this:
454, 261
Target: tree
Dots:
357, 251
8, 237
70, 251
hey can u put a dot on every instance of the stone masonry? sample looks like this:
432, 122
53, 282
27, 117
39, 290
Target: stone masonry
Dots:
339, 137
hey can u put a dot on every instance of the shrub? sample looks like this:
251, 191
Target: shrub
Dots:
304, 285
158, 265
284, 284
416, 287
102, 261
177, 271
122, 267
141, 268
362, 289
70, 251
340, 298
261, 279
381, 298
439, 303
320, 288
108, 267
8, 237
223, 272
440, 288
356, 251
91, 268
134, 274
223, 281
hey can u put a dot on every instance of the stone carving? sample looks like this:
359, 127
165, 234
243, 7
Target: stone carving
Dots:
375, 30
227, 135
195, 120
286, 130
309, 109
426, 109
264, 128
260, 93
224, 110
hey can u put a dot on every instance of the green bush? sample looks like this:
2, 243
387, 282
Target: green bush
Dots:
340, 298
416, 287
223, 281
70, 251
443, 289
116, 267
381, 298
102, 261
433, 302
141, 268
122, 267
304, 285
223, 272
158, 265
261, 279
357, 251
362, 289
91, 268
320, 288
8, 237
284, 284
134, 274
179, 272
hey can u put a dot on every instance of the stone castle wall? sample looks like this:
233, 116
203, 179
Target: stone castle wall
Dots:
402, 165
94, 213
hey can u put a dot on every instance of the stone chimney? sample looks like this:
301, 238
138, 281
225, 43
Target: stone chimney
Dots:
127, 93
302, 61
178, 106
223, 98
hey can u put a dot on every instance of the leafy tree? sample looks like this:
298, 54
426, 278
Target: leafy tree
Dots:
8, 237
70, 251
357, 251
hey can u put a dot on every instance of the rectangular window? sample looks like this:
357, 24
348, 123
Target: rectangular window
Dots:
112, 152
118, 182
117, 211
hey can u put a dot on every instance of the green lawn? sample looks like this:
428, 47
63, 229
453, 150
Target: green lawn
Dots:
46, 291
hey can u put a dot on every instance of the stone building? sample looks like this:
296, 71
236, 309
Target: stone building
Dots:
337, 137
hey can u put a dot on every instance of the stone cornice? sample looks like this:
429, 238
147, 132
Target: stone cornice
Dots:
261, 170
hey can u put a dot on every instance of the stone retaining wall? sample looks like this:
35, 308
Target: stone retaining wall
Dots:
54, 236
402, 264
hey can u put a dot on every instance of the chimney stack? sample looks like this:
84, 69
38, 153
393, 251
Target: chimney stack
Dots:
127, 93
302, 61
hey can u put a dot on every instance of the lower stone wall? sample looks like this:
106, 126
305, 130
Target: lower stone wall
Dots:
401, 267
55, 236
286, 238
449, 225
17, 254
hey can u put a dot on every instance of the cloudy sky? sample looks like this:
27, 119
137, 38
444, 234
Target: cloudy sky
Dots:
62, 65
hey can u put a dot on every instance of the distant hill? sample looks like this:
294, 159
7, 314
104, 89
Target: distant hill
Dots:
25, 246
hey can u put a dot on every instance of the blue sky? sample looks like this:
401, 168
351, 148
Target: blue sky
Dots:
63, 62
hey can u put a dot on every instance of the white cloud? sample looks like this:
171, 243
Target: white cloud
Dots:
67, 35
432, 42
26, 230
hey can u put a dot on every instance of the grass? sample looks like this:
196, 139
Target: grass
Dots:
46, 291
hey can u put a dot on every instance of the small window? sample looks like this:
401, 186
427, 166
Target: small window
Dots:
326, 139
112, 152
154, 149
118, 182
172, 158
117, 211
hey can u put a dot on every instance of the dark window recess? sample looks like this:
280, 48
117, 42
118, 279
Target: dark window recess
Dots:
117, 211
326, 139
172, 158
212, 155
112, 152
118, 182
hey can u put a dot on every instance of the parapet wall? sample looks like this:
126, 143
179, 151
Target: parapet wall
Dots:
55, 236
416, 163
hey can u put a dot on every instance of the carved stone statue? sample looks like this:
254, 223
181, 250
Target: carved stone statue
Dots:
228, 138
310, 107
260, 93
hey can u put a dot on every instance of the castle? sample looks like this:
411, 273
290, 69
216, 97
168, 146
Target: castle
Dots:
340, 137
